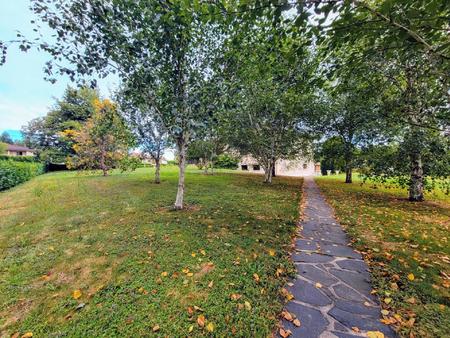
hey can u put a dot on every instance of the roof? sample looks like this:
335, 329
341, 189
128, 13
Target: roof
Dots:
14, 147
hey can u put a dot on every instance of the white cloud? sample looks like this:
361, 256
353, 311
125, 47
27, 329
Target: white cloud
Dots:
13, 115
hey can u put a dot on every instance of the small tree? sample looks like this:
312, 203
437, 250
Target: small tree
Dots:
103, 141
6, 138
150, 133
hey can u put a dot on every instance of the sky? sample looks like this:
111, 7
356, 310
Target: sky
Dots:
24, 94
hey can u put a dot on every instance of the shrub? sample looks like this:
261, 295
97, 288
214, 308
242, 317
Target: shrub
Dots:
226, 161
14, 172
18, 158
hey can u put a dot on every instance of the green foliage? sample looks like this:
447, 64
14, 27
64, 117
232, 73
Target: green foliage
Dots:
51, 134
5, 138
19, 158
3, 148
103, 141
330, 154
13, 172
226, 161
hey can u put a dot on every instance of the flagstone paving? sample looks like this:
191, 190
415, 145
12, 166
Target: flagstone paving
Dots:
332, 291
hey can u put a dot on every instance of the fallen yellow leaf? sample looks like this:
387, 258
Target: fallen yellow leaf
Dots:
164, 274
272, 252
411, 276
191, 328
155, 328
27, 335
387, 300
76, 294
256, 277
318, 285
247, 305
375, 334
296, 322
210, 327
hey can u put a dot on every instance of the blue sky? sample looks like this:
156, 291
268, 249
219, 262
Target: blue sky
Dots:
24, 94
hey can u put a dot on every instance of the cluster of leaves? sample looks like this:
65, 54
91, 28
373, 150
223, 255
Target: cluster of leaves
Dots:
103, 141
13, 172
52, 134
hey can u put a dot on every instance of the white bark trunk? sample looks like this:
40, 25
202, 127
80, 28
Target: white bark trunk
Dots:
182, 166
157, 171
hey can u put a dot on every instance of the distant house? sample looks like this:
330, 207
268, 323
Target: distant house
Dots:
296, 167
15, 150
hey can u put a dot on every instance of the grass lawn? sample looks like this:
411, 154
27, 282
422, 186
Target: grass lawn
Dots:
90, 256
407, 245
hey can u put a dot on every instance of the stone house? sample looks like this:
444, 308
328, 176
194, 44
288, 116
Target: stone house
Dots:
297, 167
15, 150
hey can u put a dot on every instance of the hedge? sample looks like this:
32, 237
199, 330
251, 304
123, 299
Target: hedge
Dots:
18, 158
14, 172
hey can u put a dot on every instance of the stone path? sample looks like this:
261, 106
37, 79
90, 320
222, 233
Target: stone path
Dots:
342, 300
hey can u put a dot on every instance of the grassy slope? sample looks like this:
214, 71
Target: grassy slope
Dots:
400, 238
115, 238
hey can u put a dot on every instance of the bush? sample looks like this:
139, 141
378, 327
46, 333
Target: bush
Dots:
14, 172
18, 158
227, 161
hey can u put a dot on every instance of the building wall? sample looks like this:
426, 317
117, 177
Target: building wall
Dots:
15, 153
299, 167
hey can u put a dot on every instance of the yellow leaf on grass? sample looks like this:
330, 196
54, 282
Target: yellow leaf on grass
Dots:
203, 252
247, 305
193, 254
210, 327
387, 300
164, 274
191, 328
256, 277
272, 252
76, 294
411, 276
201, 320
155, 328
210, 285
375, 334
27, 335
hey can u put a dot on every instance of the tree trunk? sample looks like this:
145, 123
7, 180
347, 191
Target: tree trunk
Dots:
268, 173
182, 166
102, 163
348, 158
416, 183
273, 167
348, 174
157, 171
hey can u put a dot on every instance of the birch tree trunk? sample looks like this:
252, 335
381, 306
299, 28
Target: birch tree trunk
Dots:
268, 172
157, 170
348, 157
182, 166
416, 182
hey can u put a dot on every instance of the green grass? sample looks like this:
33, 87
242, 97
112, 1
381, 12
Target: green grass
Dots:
400, 238
137, 263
